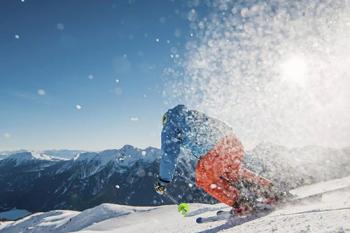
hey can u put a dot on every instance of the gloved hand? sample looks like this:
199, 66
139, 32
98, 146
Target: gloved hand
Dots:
160, 187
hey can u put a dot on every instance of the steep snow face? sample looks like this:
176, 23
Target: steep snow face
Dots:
329, 214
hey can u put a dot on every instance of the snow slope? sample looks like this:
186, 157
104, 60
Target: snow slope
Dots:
330, 213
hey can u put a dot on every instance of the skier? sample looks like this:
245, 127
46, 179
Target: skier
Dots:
219, 156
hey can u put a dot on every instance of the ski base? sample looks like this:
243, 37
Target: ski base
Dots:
227, 215
213, 218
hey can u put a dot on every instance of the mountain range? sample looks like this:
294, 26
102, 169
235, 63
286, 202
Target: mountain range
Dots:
42, 181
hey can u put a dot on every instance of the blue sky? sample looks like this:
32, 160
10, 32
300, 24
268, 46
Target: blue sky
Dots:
85, 74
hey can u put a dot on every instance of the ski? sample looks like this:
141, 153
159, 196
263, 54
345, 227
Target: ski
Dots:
218, 217
235, 220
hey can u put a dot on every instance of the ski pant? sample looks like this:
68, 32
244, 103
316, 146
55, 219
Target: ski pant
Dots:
220, 168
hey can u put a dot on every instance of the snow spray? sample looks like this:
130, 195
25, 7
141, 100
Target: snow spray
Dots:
275, 70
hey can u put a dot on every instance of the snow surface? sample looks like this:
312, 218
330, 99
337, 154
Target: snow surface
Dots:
331, 213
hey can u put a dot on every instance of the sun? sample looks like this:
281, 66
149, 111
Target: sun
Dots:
294, 69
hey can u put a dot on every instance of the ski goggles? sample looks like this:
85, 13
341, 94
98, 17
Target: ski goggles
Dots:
164, 119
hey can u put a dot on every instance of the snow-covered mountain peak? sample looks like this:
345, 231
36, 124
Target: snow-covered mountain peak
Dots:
26, 156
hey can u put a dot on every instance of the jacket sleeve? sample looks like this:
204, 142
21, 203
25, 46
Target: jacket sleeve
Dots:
171, 143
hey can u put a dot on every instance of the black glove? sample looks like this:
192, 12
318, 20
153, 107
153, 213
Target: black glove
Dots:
160, 186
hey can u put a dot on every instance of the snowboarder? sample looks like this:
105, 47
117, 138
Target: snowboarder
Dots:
219, 154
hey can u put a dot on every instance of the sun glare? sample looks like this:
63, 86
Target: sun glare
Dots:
294, 69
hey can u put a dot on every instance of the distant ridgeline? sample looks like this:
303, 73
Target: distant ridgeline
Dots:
49, 180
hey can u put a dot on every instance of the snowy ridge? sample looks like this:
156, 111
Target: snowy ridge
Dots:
126, 156
121, 159
24, 157
330, 214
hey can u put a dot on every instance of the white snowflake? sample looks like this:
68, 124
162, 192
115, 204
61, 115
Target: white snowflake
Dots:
60, 26
134, 118
41, 92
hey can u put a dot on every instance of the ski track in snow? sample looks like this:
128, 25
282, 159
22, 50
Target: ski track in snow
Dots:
330, 213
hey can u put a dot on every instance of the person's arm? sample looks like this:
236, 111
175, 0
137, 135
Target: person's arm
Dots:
171, 143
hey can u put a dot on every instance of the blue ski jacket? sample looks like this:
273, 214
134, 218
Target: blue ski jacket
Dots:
189, 129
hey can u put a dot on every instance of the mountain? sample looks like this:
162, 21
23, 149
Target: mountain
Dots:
4, 154
39, 182
331, 213
62, 154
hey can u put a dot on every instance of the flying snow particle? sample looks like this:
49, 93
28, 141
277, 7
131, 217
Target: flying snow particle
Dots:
143, 153
41, 92
141, 172
157, 39
117, 80
213, 186
190, 185
177, 33
117, 186
118, 91
22, 0
78, 107
60, 26
162, 20
134, 118
7, 135
16, 36
192, 15
91, 77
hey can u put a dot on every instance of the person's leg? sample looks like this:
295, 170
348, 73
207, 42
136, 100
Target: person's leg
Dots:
250, 186
251, 177
208, 178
